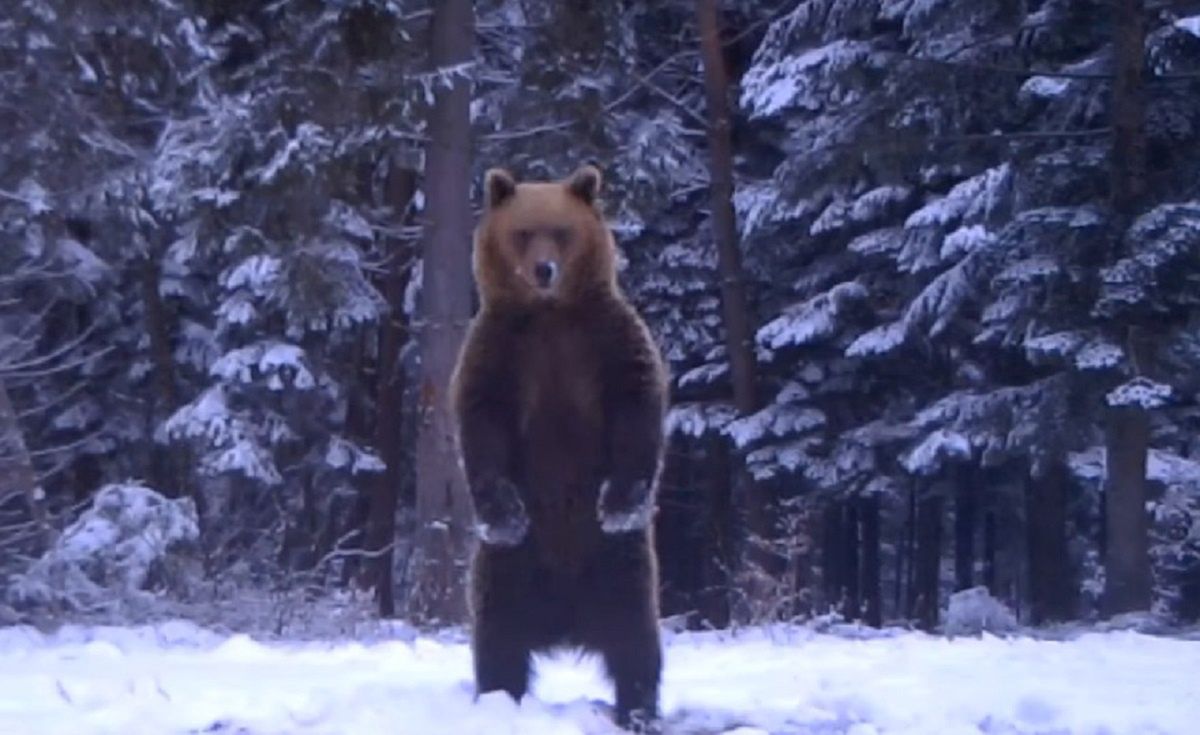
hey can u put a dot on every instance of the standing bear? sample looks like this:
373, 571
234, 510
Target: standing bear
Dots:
559, 397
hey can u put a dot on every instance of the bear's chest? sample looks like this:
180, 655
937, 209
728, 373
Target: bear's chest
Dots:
559, 380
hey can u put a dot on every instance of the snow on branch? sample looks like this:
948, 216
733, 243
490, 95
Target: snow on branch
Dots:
813, 320
801, 80
784, 418
698, 419
1141, 392
271, 359
120, 544
937, 450
1161, 269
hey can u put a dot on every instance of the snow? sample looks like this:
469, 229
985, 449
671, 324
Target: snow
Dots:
972, 611
1046, 87
940, 447
114, 546
1141, 392
812, 320
176, 678
1190, 24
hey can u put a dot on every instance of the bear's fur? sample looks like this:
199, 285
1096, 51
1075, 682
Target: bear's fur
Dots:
559, 397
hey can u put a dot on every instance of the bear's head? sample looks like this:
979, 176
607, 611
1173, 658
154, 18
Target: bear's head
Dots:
543, 242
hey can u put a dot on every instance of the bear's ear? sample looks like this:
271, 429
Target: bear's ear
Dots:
498, 186
585, 184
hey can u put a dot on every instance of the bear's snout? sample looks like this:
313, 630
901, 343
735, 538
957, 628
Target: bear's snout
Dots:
544, 272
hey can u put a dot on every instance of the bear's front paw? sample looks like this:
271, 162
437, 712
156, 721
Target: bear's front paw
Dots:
500, 515
625, 506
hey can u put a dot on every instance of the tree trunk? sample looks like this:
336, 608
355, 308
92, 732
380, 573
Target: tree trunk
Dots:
910, 529
17, 476
719, 532
443, 505
1127, 563
1051, 584
389, 403
739, 335
850, 557
871, 588
832, 548
965, 495
989, 552
929, 560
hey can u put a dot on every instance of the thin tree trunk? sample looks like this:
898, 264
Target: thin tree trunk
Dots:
717, 519
1127, 563
17, 476
853, 569
443, 505
389, 403
1051, 587
989, 552
965, 495
910, 529
929, 560
872, 592
766, 565
901, 569
832, 566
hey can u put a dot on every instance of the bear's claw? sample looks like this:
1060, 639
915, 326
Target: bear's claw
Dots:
500, 515
629, 508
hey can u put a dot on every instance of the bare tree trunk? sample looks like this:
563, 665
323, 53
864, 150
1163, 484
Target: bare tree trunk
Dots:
443, 505
717, 519
964, 529
989, 552
17, 476
1127, 562
832, 565
853, 568
872, 592
163, 475
926, 596
910, 531
389, 405
765, 565
1051, 587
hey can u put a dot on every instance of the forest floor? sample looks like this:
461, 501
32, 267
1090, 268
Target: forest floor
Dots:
178, 678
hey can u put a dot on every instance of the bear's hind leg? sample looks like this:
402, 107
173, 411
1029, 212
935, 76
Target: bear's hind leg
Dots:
634, 663
619, 620
502, 662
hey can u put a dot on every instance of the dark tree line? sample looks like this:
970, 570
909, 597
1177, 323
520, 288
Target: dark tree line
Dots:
925, 273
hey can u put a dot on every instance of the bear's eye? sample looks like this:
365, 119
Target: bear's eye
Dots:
522, 239
561, 236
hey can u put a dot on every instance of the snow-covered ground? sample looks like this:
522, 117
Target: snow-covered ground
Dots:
175, 678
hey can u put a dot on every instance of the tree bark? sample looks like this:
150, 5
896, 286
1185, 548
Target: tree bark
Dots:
832, 548
760, 511
872, 592
989, 552
443, 504
928, 563
389, 404
717, 520
965, 495
17, 476
1051, 587
853, 569
1127, 562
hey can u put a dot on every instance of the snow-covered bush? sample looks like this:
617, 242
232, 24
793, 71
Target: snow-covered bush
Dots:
131, 540
973, 611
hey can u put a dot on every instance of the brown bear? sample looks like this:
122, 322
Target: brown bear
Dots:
559, 398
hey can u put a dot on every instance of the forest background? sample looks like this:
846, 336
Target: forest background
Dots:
927, 274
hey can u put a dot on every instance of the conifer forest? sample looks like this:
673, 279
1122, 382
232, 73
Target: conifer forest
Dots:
926, 274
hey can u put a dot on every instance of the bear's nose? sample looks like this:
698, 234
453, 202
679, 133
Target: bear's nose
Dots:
544, 272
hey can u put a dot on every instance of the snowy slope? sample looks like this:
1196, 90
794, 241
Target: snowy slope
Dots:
178, 679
